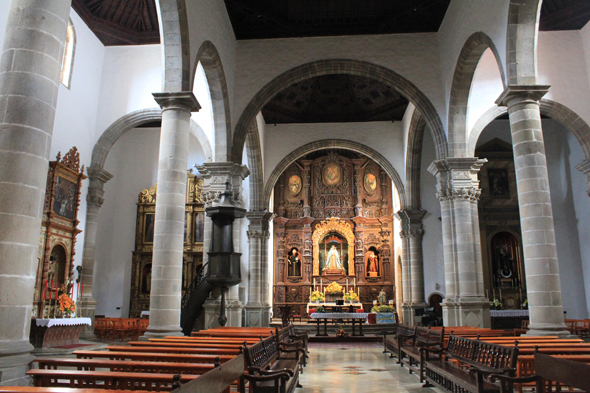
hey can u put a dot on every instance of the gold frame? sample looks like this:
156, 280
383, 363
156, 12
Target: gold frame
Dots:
333, 224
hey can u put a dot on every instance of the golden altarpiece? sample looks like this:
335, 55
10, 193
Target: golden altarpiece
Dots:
194, 227
333, 224
59, 229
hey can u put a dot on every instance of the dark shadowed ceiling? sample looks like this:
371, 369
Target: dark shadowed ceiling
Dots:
135, 22
335, 99
120, 22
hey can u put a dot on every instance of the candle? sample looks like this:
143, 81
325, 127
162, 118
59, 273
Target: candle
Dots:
500, 293
81, 290
51, 291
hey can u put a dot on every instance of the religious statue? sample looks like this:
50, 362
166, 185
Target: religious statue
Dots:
372, 264
333, 260
382, 297
505, 267
294, 260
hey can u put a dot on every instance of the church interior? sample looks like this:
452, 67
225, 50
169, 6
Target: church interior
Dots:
263, 195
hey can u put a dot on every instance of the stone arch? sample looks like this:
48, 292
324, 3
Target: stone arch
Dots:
414, 159
334, 144
521, 41
256, 178
556, 111
122, 125
467, 63
175, 41
340, 66
210, 59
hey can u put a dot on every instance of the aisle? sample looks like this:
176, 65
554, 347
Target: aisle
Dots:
356, 368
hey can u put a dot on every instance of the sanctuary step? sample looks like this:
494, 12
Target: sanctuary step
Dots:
371, 332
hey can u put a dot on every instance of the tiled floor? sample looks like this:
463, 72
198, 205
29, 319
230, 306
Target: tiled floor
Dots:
362, 369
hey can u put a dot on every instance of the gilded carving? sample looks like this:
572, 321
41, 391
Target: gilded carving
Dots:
332, 225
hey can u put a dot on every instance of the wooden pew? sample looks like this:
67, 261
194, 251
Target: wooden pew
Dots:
152, 356
397, 336
126, 365
35, 389
158, 344
217, 380
188, 350
413, 354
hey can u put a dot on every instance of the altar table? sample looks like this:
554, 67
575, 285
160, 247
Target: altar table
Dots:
346, 305
508, 319
341, 318
56, 332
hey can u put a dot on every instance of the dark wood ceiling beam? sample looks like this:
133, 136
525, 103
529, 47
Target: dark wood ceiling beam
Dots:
247, 7
392, 109
562, 19
272, 110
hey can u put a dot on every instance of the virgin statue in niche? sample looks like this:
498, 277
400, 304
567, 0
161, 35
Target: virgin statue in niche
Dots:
333, 260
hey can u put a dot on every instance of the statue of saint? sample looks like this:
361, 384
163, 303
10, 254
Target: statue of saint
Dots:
333, 259
294, 263
372, 263
382, 297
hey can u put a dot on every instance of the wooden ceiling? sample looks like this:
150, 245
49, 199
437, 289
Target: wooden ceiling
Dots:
120, 22
335, 99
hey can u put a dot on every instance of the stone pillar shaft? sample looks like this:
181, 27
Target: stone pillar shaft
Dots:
536, 215
458, 192
30, 66
166, 287
258, 306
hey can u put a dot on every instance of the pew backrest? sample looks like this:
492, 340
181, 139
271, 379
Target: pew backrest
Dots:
567, 372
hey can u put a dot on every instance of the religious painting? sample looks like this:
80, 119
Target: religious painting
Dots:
332, 174
372, 262
199, 227
148, 227
333, 254
370, 183
146, 278
498, 183
295, 185
65, 199
509, 302
294, 262
506, 250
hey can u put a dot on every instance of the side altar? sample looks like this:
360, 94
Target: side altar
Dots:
334, 224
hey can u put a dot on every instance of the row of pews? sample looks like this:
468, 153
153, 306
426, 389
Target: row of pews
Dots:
215, 360
466, 359
120, 328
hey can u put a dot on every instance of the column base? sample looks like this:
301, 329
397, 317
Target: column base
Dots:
409, 313
15, 361
88, 310
549, 329
257, 316
469, 311
233, 312
156, 332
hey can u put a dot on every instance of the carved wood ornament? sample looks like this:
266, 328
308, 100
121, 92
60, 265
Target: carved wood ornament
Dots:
332, 225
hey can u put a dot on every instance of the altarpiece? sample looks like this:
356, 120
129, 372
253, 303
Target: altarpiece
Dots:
194, 228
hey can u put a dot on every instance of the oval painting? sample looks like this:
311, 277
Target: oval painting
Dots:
370, 183
332, 174
295, 185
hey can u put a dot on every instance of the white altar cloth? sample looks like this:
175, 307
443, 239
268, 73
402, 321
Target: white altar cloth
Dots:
345, 306
339, 315
63, 322
508, 313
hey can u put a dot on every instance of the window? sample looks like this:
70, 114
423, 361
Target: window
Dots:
68, 60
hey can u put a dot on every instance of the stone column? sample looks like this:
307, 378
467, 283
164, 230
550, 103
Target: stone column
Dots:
458, 191
412, 233
536, 215
258, 306
94, 200
584, 167
407, 312
166, 288
215, 175
30, 66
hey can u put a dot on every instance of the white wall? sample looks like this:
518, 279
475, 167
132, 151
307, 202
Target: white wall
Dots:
130, 75
485, 89
434, 269
585, 36
413, 56
384, 137
4, 5
204, 117
133, 162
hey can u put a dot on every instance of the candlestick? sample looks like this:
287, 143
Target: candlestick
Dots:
51, 292
500, 293
310, 292
347, 284
45, 292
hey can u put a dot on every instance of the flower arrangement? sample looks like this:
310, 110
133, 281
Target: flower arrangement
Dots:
320, 309
341, 332
334, 287
350, 295
317, 296
525, 304
383, 309
66, 304
495, 304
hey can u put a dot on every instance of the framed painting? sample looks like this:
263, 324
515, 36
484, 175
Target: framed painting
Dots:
332, 174
199, 227
498, 183
370, 182
295, 185
148, 227
64, 203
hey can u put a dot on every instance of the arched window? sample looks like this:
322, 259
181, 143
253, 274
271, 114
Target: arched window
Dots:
68, 60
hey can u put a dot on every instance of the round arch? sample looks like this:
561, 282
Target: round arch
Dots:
414, 160
256, 178
556, 111
210, 59
473, 49
175, 42
125, 123
521, 41
335, 144
339, 66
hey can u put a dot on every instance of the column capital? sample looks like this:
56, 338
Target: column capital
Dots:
457, 177
515, 94
216, 174
182, 100
411, 216
584, 167
97, 178
258, 227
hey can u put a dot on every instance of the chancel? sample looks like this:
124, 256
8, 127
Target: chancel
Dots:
227, 193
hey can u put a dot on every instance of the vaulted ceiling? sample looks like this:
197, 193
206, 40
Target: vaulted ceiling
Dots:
334, 99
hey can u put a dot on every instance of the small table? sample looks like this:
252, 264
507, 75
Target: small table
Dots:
342, 317
57, 332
